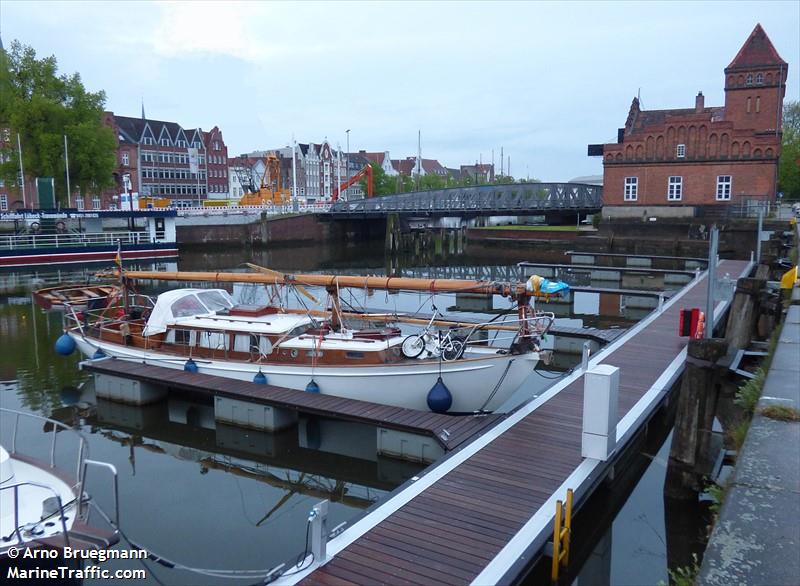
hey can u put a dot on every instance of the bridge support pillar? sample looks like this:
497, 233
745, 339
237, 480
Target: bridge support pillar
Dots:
393, 232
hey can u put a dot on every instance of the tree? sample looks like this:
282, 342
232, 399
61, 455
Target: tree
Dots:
382, 184
431, 181
42, 107
789, 164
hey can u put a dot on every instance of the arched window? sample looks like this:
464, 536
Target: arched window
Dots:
759, 78
749, 80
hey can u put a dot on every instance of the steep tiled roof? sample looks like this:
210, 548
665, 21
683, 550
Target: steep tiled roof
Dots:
433, 166
756, 51
404, 166
132, 128
372, 157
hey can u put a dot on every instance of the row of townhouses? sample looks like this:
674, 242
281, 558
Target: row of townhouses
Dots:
168, 163
679, 157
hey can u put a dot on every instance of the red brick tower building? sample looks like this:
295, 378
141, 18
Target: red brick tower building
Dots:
702, 155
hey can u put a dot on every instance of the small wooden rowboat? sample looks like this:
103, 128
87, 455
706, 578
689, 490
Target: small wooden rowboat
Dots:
77, 296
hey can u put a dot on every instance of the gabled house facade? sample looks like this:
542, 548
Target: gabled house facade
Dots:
165, 160
703, 155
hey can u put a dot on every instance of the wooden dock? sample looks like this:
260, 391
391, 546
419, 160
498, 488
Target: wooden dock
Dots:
449, 431
483, 514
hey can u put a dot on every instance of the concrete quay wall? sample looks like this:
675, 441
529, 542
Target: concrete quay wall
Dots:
303, 228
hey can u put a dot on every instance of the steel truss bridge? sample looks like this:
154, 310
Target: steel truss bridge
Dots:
518, 199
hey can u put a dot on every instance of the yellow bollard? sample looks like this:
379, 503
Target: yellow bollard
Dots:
567, 528
556, 543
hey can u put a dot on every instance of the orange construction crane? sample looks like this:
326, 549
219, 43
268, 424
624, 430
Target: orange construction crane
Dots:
270, 190
365, 172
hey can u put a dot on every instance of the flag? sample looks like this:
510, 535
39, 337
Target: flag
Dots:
118, 258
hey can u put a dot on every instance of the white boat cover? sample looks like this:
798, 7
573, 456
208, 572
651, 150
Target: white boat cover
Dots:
178, 303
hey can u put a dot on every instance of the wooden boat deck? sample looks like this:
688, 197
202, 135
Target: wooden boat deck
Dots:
449, 430
461, 521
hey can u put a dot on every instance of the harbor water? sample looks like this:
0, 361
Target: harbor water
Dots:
211, 496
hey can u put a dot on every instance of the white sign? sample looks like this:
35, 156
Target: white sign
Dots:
194, 161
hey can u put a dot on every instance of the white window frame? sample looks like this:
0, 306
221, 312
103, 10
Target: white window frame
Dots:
674, 188
759, 78
724, 187
680, 151
124, 159
749, 79
631, 188
165, 142
3, 202
95, 203
79, 203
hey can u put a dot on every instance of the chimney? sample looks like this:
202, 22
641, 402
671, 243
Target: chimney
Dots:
699, 103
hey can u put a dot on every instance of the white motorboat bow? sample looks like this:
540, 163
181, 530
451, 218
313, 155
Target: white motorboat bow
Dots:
43, 504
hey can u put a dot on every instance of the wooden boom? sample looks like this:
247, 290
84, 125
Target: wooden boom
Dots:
333, 282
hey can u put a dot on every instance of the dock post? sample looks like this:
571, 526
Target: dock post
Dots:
744, 313
600, 404
318, 517
689, 457
712, 280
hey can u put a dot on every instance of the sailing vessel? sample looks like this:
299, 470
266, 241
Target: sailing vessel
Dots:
446, 367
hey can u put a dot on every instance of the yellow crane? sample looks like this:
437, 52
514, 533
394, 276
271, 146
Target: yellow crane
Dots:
270, 191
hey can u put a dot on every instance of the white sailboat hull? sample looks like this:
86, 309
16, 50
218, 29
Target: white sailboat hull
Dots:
483, 380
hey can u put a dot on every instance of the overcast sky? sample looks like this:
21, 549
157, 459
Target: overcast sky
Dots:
542, 80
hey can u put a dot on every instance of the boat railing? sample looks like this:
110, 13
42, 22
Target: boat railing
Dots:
76, 473
61, 510
77, 239
533, 327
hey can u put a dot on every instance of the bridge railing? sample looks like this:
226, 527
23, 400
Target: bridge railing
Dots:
500, 198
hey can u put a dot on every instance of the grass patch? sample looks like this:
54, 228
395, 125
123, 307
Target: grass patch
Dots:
781, 413
748, 394
717, 493
737, 434
685, 575
534, 228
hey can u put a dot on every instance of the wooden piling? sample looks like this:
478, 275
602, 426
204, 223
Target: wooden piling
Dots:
689, 456
744, 313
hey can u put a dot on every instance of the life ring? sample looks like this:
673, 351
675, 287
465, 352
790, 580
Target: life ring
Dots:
34, 226
61, 226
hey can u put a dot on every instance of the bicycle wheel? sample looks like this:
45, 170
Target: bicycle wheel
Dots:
453, 350
413, 346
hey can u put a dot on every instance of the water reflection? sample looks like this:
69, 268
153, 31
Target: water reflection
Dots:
209, 494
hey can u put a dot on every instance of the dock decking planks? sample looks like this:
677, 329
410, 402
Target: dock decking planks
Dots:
449, 430
465, 518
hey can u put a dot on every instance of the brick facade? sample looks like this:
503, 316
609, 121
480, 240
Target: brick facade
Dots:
704, 155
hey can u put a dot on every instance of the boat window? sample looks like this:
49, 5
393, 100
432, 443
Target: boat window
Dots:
252, 343
265, 345
242, 342
188, 305
182, 337
214, 340
214, 300
354, 355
